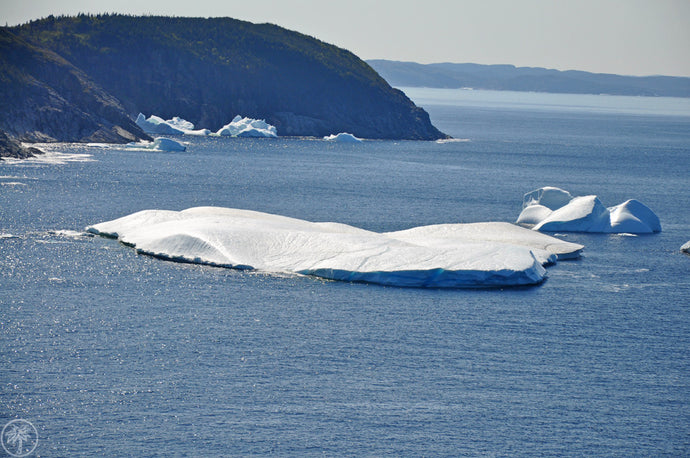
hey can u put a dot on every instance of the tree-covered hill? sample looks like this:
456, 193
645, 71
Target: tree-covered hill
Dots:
209, 70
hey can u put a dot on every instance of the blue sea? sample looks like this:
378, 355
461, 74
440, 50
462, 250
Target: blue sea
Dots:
111, 353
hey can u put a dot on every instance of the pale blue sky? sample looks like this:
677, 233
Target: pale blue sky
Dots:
633, 37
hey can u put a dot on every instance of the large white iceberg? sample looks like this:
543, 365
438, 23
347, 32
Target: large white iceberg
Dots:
552, 209
248, 127
342, 137
454, 255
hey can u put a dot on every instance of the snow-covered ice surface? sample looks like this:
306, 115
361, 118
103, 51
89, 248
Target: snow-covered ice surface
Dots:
552, 209
451, 255
342, 137
546, 249
248, 127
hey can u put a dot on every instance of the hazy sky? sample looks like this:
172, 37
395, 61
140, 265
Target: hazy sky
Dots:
633, 37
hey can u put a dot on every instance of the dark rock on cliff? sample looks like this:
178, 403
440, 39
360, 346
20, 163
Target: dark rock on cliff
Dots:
209, 70
12, 148
45, 98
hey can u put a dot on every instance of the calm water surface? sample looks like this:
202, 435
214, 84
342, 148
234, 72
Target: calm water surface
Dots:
111, 353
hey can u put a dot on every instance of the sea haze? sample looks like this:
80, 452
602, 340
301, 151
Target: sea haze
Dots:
110, 352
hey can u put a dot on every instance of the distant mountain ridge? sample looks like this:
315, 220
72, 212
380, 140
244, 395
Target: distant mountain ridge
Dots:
532, 79
210, 70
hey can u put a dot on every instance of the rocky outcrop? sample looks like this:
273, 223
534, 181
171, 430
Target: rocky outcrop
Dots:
12, 148
210, 70
44, 98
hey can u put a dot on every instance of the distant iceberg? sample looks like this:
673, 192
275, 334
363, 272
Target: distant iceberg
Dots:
238, 127
248, 127
166, 144
159, 144
686, 248
175, 126
181, 124
452, 255
156, 125
342, 137
552, 209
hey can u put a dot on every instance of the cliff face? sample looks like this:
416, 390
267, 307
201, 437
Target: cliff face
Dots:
45, 98
209, 70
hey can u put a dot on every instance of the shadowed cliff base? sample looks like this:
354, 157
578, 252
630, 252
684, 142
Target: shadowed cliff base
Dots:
14, 149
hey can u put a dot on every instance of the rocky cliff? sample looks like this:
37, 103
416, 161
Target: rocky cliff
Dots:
209, 70
45, 98
12, 148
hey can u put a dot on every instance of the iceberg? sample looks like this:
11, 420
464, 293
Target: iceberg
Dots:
156, 125
166, 144
342, 137
248, 127
159, 144
552, 209
686, 248
181, 124
174, 126
441, 256
545, 248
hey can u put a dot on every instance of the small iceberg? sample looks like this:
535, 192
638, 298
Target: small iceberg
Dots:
342, 137
166, 144
686, 248
159, 144
440, 256
248, 127
552, 209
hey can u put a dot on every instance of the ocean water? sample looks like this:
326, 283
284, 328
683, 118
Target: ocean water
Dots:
107, 352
